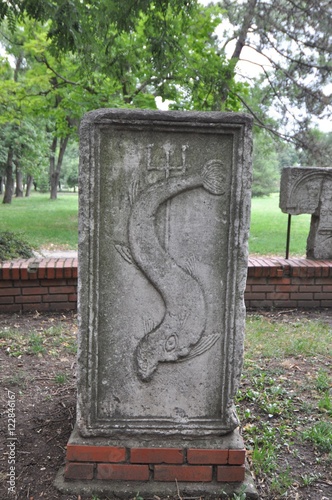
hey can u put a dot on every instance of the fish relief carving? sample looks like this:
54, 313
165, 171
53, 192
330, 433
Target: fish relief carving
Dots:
180, 334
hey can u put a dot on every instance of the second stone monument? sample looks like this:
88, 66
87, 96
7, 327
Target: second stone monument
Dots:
164, 221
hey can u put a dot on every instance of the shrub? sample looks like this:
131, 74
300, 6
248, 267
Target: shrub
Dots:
12, 246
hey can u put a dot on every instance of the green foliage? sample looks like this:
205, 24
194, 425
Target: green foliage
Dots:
281, 373
320, 434
35, 344
69, 171
43, 182
323, 382
81, 55
320, 152
266, 176
325, 404
13, 246
61, 378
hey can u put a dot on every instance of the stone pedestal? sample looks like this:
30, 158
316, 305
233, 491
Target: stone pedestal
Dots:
164, 219
308, 190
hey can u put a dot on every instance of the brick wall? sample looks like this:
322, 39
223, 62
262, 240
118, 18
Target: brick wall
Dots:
38, 285
51, 284
274, 283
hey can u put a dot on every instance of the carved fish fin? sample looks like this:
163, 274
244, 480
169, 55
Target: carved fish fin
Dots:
213, 177
125, 253
190, 266
133, 191
205, 343
148, 325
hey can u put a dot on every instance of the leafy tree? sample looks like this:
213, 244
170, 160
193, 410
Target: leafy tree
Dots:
23, 143
69, 172
111, 53
288, 155
320, 153
295, 38
141, 49
124, 63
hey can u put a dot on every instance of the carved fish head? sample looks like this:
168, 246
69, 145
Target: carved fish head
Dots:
147, 359
151, 351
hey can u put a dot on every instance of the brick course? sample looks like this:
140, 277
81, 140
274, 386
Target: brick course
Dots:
123, 472
201, 456
190, 473
81, 453
231, 474
156, 455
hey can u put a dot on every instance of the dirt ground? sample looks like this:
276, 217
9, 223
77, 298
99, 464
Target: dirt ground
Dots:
41, 383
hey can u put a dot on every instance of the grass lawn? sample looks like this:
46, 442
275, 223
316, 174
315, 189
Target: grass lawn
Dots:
268, 229
53, 223
43, 222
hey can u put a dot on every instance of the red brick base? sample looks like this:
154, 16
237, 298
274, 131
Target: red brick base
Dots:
112, 463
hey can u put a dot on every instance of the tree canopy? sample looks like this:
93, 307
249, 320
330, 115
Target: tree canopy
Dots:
295, 38
70, 56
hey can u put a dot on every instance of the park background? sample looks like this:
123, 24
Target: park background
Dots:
62, 58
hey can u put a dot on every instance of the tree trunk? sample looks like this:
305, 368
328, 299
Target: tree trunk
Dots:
243, 32
9, 177
53, 176
29, 185
54, 179
56, 164
1, 184
19, 181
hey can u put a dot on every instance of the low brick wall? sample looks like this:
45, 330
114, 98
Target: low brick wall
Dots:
275, 283
51, 284
38, 285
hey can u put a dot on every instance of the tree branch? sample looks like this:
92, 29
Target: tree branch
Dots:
261, 124
242, 36
65, 80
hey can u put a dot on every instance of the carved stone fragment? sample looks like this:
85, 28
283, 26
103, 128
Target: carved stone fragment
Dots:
308, 190
163, 232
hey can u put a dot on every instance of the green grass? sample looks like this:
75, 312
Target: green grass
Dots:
284, 403
287, 338
51, 340
268, 231
46, 223
43, 222
320, 434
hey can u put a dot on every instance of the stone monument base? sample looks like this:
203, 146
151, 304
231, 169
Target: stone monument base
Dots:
209, 467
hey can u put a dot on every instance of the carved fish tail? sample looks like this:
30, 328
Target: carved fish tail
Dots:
213, 177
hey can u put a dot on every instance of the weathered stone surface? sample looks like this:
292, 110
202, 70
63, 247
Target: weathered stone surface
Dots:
308, 190
164, 218
128, 489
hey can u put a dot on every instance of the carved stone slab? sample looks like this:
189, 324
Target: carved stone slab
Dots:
308, 190
164, 218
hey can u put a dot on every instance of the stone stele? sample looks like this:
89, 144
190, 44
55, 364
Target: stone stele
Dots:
164, 221
308, 190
